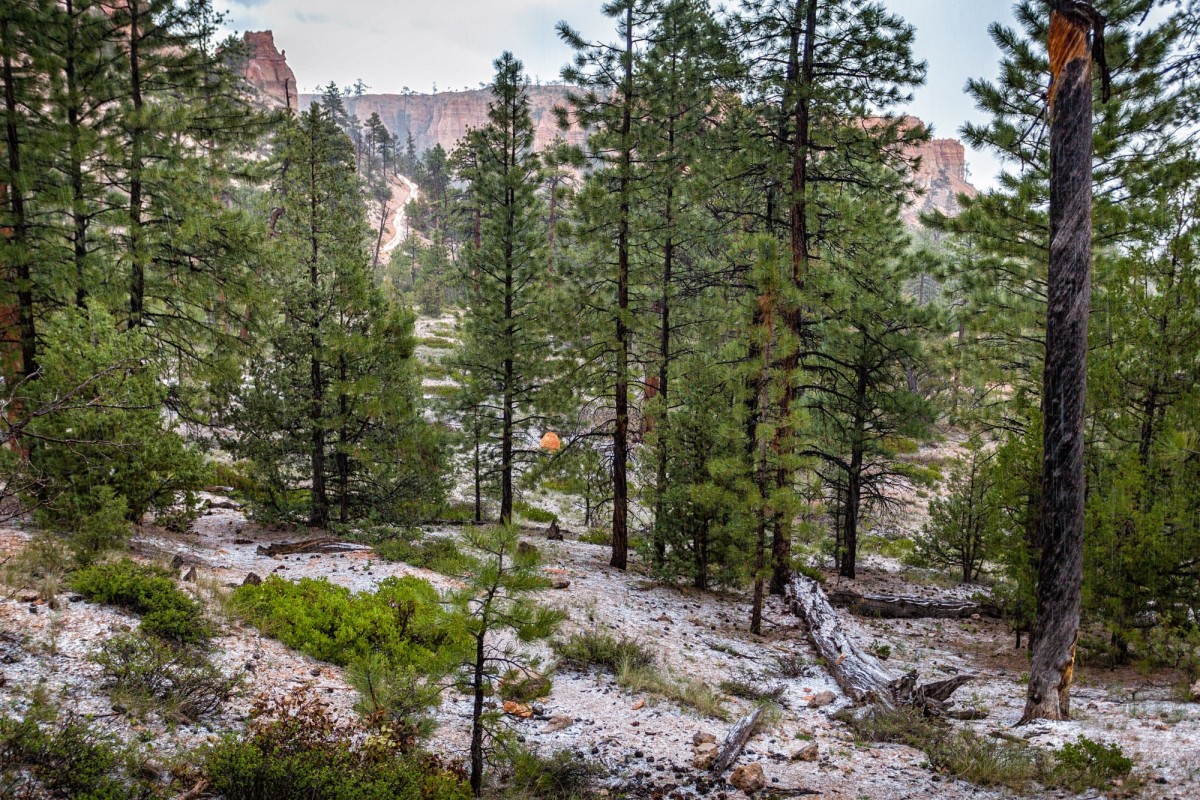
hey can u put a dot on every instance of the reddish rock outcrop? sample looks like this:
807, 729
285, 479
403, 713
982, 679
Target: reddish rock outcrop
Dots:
941, 175
444, 118
267, 70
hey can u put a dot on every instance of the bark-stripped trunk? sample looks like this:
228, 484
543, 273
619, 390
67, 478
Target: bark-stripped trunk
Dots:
854, 479
137, 269
510, 232
26, 327
620, 524
1060, 564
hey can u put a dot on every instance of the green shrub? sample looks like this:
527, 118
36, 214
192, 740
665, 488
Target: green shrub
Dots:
748, 690
391, 696
562, 776
63, 755
594, 649
532, 513
599, 536
403, 619
302, 753
410, 546
149, 591
144, 673
524, 686
1086, 764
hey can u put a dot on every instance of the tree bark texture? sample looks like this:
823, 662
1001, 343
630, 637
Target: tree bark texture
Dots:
620, 518
1060, 536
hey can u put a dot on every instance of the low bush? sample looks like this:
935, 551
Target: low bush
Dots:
393, 697
595, 649
166, 611
562, 776
65, 756
411, 546
986, 761
403, 620
636, 669
599, 536
296, 750
145, 673
533, 513
747, 689
524, 686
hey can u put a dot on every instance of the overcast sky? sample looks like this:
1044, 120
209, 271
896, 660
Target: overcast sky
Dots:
393, 44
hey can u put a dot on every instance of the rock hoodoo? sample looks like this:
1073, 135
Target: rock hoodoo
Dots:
267, 70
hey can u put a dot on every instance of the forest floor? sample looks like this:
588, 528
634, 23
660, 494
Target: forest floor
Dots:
645, 747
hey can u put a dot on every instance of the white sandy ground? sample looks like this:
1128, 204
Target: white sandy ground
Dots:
648, 751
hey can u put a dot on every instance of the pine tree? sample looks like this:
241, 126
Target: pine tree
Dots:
506, 358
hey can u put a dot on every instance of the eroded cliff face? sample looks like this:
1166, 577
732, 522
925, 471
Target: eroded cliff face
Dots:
445, 117
941, 176
267, 70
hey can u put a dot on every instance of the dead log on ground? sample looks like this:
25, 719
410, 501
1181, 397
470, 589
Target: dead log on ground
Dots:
324, 544
859, 674
903, 607
735, 740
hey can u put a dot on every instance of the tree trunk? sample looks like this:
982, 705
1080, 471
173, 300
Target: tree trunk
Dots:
319, 513
664, 370
477, 683
26, 327
1060, 563
620, 531
850, 520
137, 269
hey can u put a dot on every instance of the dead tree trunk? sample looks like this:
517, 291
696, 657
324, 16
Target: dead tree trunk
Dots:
859, 674
736, 739
1060, 538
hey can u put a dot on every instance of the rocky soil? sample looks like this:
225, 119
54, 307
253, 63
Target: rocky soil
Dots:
647, 744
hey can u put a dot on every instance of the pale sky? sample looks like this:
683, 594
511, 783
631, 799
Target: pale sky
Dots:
392, 44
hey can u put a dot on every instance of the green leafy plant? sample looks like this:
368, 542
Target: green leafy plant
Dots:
149, 591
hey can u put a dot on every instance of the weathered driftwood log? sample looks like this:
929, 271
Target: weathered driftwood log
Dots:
324, 544
735, 740
903, 607
859, 674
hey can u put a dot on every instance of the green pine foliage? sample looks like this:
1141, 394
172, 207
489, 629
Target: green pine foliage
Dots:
149, 591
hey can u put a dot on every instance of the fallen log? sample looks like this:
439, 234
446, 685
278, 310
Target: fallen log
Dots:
902, 607
735, 740
324, 544
861, 675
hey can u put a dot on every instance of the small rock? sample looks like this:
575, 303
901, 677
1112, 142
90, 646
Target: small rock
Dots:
639, 705
190, 577
527, 550
560, 583
748, 777
243, 540
809, 752
252, 580
553, 534
705, 755
28, 597
315, 672
516, 709
822, 699
703, 737
33, 609
557, 724
177, 562
1196, 692
250, 666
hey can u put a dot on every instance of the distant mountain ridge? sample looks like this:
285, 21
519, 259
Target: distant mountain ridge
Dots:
445, 117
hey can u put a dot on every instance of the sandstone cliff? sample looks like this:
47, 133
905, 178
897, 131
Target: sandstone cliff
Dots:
267, 70
445, 117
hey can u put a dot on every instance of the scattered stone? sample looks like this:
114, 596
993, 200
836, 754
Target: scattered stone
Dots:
1196, 692
243, 540
515, 709
822, 699
527, 550
553, 533
224, 503
557, 724
190, 577
639, 705
809, 752
315, 672
705, 755
177, 562
33, 609
702, 737
252, 580
28, 597
748, 777
560, 583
